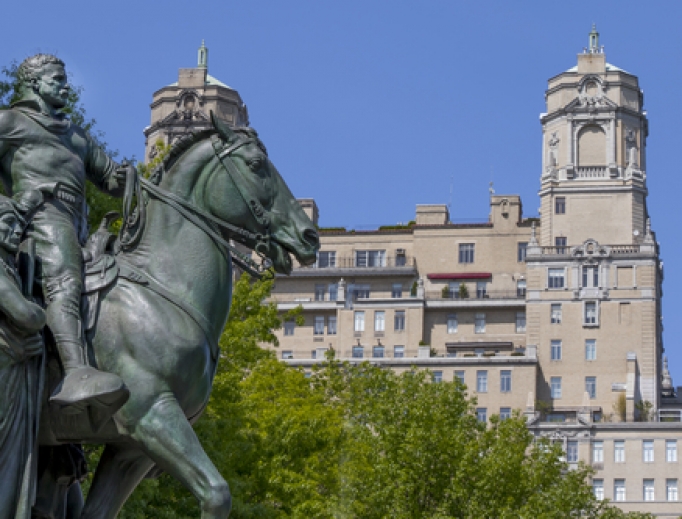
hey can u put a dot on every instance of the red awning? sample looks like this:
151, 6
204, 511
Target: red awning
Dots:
461, 275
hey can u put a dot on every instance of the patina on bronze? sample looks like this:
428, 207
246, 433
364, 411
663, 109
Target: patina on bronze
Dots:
41, 150
157, 301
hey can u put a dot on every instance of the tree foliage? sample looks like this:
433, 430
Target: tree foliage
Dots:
358, 441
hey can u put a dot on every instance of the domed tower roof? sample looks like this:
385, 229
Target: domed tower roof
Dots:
185, 106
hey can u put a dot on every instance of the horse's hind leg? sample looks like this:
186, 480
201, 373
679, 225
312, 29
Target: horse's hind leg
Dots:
120, 470
167, 437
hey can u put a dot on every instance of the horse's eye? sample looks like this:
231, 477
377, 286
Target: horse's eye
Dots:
255, 164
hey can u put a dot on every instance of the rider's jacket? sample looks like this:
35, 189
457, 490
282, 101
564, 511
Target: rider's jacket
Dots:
40, 152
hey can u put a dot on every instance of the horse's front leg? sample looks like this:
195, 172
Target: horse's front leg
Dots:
166, 436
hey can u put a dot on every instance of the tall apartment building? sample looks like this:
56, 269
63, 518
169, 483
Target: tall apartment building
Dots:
557, 316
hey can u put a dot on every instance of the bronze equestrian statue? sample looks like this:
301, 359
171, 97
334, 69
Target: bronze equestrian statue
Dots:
156, 298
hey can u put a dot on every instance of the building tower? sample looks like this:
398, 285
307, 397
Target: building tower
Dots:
185, 105
594, 277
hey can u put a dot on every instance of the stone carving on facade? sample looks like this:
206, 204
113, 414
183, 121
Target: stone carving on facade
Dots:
591, 250
553, 156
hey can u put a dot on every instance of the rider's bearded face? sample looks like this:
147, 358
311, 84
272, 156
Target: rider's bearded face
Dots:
51, 85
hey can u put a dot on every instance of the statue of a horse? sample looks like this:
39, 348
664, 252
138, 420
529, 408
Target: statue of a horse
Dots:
159, 324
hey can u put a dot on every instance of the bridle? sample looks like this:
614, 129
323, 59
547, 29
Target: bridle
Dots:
200, 218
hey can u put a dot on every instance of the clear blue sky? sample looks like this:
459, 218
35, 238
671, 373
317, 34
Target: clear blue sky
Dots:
371, 107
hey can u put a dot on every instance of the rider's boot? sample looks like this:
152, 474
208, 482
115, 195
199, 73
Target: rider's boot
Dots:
83, 385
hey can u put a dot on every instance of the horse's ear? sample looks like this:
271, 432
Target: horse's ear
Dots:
223, 129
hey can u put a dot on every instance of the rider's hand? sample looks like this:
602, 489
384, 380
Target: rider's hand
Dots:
121, 173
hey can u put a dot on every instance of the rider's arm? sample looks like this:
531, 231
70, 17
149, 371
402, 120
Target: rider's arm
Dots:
7, 128
25, 315
100, 169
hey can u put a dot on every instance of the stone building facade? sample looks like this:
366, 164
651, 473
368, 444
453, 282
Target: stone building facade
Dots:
557, 316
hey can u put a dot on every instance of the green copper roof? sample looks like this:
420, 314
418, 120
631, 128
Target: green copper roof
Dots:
609, 68
210, 81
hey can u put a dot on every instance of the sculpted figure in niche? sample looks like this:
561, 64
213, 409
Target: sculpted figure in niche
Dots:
631, 148
42, 151
21, 349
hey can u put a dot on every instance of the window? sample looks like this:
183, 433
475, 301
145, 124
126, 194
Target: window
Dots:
560, 242
619, 490
398, 352
590, 276
400, 259
379, 321
598, 452
572, 451
671, 451
619, 451
481, 289
591, 386
598, 489
378, 352
459, 375
590, 313
648, 490
555, 350
358, 352
437, 376
359, 321
466, 252
555, 314
482, 381
313, 354
590, 349
333, 292
520, 322
287, 354
397, 291
320, 292
555, 385
648, 451
361, 291
453, 287
370, 258
452, 323
521, 288
482, 414
399, 321
289, 327
319, 325
326, 259
671, 489
521, 251
479, 324
560, 205
331, 325
555, 278
505, 413
505, 381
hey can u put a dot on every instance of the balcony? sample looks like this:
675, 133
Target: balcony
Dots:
477, 299
591, 173
351, 266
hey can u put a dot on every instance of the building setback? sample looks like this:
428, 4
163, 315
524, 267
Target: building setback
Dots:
557, 316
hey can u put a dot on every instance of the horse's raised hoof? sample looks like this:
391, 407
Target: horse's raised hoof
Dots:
86, 386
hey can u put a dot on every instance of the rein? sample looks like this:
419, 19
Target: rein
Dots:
206, 221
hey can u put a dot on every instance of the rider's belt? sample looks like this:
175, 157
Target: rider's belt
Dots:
63, 193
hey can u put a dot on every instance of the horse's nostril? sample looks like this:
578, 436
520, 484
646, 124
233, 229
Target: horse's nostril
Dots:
311, 237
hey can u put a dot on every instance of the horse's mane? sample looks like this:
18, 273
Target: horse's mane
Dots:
179, 147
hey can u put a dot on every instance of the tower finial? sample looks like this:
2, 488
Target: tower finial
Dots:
594, 40
203, 56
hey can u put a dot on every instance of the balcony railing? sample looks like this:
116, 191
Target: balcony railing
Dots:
591, 172
625, 249
345, 262
489, 294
